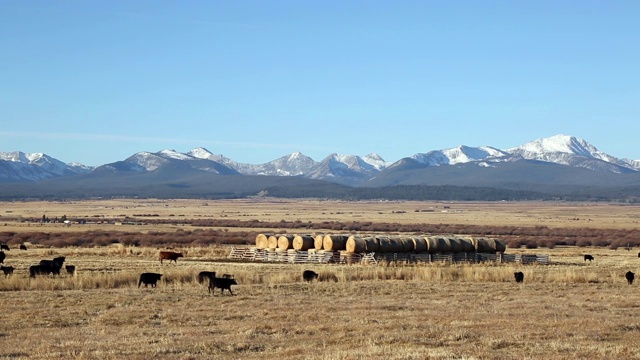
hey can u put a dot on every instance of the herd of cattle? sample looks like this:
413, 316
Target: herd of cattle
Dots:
54, 267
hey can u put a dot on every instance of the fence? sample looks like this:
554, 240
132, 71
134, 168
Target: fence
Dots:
341, 257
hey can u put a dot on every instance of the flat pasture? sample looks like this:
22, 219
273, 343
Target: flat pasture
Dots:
571, 309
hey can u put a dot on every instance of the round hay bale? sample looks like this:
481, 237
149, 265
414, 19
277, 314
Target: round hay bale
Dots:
318, 241
285, 242
335, 242
371, 244
303, 242
466, 244
456, 245
262, 241
390, 245
356, 244
485, 245
272, 242
438, 245
446, 244
407, 244
432, 244
419, 244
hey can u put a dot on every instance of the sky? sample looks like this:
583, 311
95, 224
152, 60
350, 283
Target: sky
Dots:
95, 82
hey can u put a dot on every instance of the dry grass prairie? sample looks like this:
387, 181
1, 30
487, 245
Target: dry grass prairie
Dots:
571, 309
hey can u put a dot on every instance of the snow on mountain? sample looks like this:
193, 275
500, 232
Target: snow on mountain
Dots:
36, 166
567, 150
294, 164
460, 154
345, 169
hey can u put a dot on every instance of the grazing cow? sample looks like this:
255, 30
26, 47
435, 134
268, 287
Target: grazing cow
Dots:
309, 275
629, 276
7, 270
204, 275
71, 269
519, 275
2, 257
221, 283
47, 267
149, 279
4, 247
588, 257
639, 254
23, 247
170, 255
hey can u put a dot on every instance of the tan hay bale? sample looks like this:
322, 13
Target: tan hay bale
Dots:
407, 244
432, 244
285, 242
355, 244
318, 241
262, 241
371, 244
390, 245
485, 245
456, 245
466, 244
272, 242
335, 242
419, 244
446, 244
438, 244
303, 242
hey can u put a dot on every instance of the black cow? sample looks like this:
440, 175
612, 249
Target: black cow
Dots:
629, 276
7, 270
2, 257
588, 257
638, 254
149, 279
4, 247
46, 267
309, 275
221, 283
519, 275
204, 275
71, 269
23, 247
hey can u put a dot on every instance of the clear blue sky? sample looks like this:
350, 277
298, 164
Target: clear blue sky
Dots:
97, 81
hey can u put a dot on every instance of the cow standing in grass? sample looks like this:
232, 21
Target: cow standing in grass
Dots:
149, 279
519, 276
629, 276
309, 275
588, 257
221, 283
7, 270
170, 255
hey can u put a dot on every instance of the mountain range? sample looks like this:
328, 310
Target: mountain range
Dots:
557, 163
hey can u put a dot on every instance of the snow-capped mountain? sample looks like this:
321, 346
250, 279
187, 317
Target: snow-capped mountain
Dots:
460, 154
20, 166
569, 150
147, 161
344, 169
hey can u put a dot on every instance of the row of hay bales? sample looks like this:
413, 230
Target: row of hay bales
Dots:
433, 244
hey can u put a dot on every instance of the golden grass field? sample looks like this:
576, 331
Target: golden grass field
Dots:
571, 309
